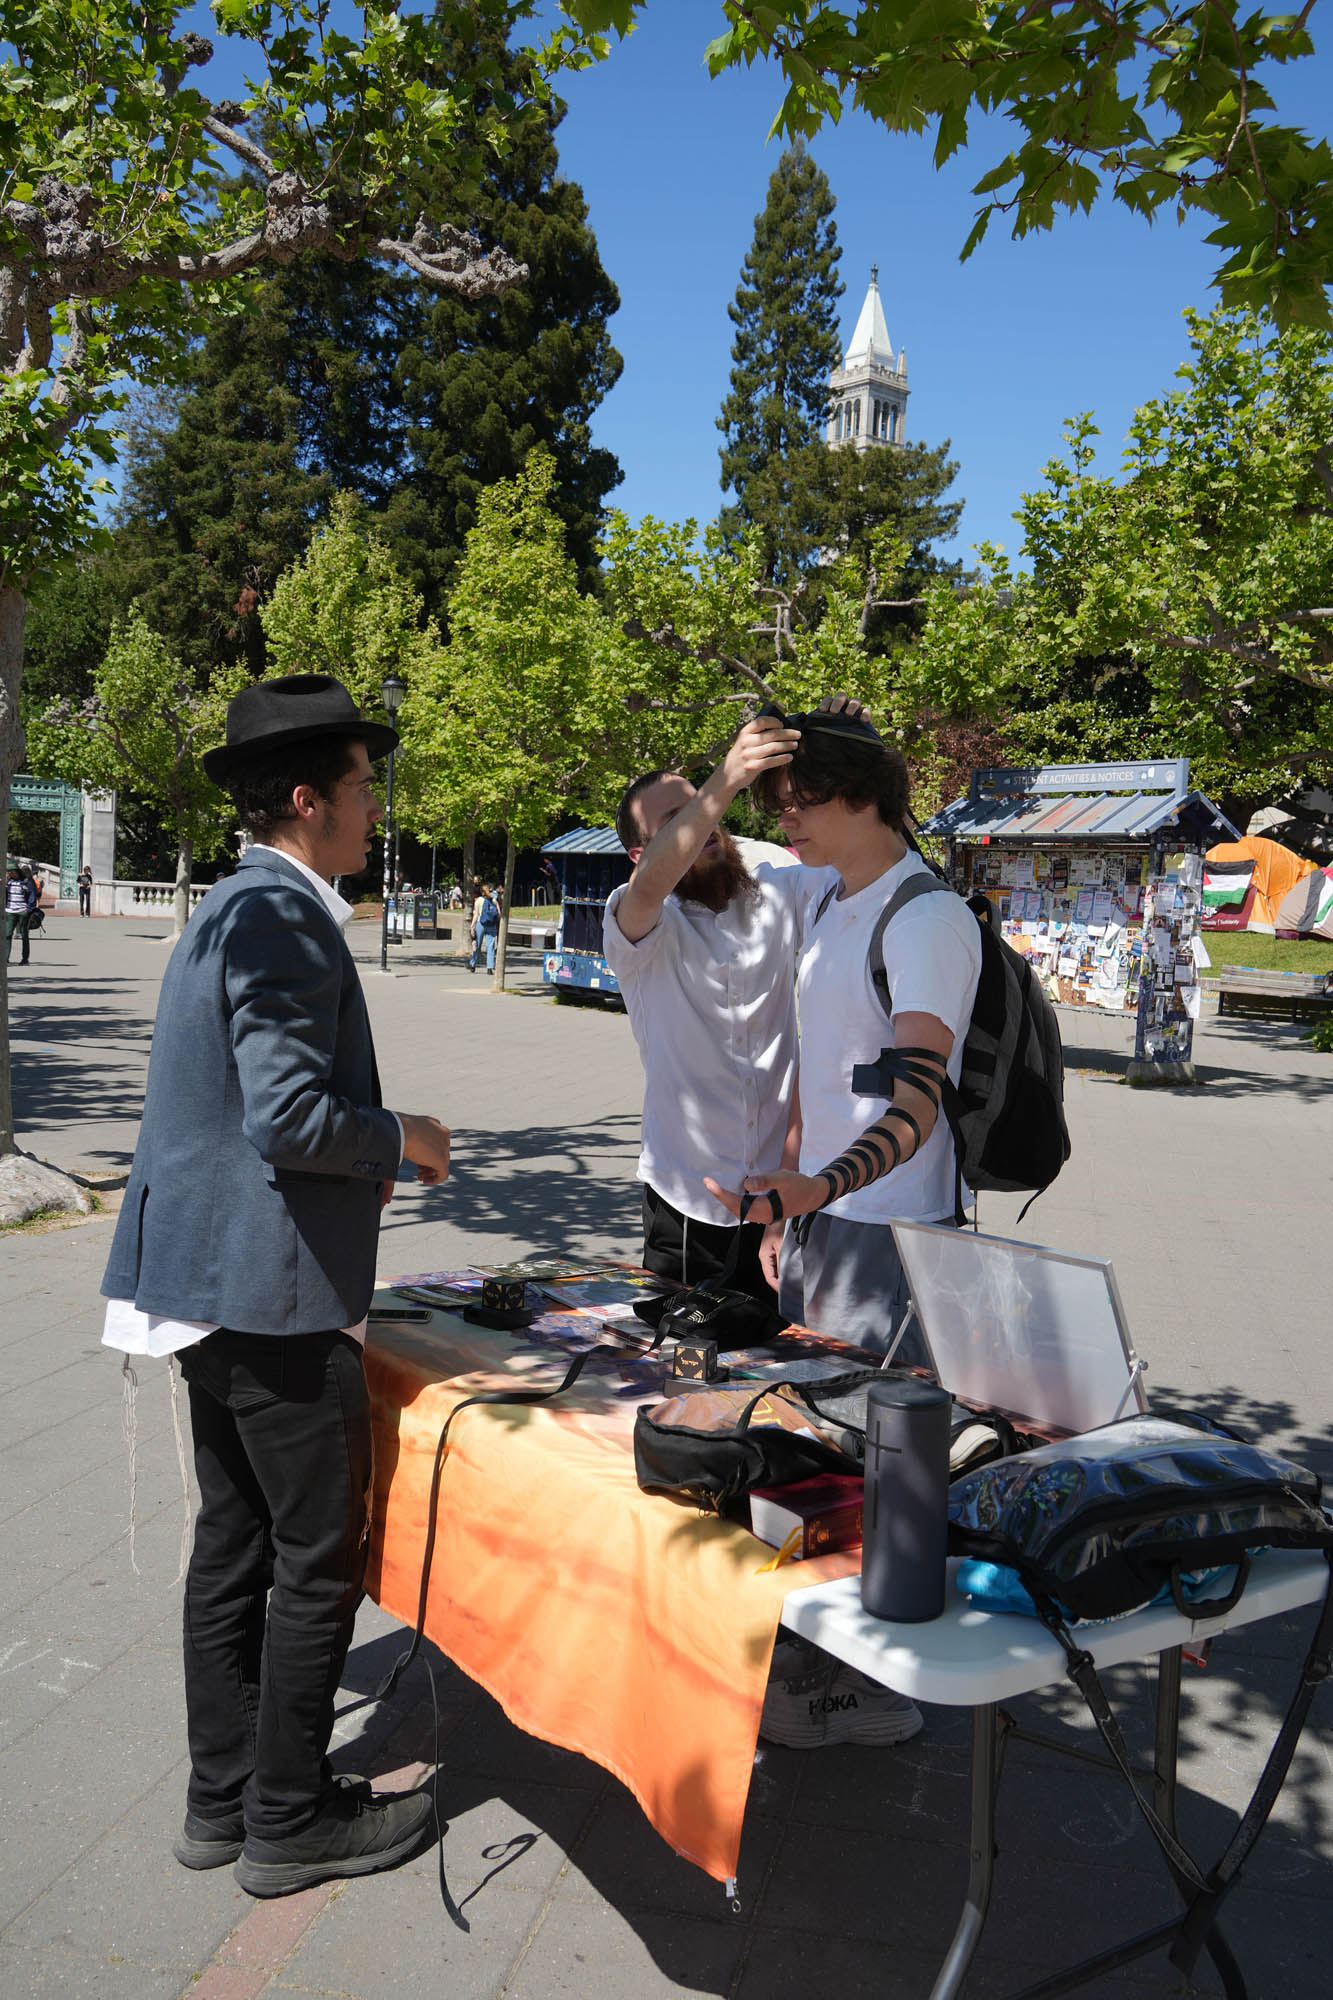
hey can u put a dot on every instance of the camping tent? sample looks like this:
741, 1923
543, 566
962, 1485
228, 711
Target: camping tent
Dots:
1307, 908
1274, 872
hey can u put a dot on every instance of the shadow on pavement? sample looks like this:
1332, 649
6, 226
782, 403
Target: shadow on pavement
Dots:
536, 1183
1220, 1081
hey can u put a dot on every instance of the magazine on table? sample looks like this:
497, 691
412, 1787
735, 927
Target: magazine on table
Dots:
609, 1296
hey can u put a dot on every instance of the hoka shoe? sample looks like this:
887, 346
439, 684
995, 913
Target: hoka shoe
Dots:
814, 1700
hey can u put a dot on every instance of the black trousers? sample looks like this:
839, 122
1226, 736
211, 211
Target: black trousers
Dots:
675, 1246
282, 1450
17, 921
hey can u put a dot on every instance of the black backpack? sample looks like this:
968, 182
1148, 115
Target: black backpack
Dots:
1091, 1537
1006, 1112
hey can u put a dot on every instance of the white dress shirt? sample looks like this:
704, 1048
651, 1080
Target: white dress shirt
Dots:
124, 1326
712, 1002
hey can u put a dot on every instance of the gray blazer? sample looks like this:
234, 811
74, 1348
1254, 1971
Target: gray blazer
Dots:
254, 1198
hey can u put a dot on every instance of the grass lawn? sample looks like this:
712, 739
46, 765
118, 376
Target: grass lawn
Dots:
1268, 954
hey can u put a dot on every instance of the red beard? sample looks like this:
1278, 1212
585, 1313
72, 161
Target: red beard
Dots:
718, 877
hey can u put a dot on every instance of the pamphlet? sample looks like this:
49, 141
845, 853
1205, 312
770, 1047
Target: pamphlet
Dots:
605, 1297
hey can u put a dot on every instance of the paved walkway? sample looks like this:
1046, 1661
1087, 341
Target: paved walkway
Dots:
1212, 1203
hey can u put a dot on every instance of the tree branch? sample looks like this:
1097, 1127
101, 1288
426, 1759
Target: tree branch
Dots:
243, 147
1254, 656
1323, 466
636, 703
667, 636
76, 261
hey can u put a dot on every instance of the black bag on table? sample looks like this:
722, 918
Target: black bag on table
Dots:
715, 1443
715, 1310
1095, 1535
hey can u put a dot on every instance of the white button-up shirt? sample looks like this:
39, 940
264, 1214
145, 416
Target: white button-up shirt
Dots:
712, 1002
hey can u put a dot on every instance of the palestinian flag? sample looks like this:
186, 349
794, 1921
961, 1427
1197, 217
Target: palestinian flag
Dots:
1225, 883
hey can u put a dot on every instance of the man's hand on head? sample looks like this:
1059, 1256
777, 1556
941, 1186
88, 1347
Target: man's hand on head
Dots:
426, 1145
673, 842
845, 704
762, 745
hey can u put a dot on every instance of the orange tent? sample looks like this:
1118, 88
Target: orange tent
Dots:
1276, 871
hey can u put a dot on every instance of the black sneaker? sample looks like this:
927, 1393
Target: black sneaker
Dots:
354, 1835
214, 1843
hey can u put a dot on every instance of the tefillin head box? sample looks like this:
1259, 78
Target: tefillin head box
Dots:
696, 1361
503, 1294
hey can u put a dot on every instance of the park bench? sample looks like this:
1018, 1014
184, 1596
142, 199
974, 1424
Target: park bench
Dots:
1246, 989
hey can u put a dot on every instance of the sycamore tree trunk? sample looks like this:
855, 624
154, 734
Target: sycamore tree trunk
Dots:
469, 870
13, 613
180, 912
502, 943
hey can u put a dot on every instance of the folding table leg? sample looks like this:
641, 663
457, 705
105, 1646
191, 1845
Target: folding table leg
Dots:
1168, 1736
981, 1864
1165, 1750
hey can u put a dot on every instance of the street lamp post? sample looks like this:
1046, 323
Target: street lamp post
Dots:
392, 691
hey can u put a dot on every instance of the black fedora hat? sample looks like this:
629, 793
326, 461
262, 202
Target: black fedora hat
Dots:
296, 708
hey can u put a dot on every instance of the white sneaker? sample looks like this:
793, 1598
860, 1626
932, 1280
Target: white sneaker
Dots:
814, 1700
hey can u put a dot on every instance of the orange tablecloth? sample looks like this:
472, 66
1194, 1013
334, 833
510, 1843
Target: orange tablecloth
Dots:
616, 1623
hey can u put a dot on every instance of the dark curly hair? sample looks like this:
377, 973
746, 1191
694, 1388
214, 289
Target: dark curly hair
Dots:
859, 769
262, 792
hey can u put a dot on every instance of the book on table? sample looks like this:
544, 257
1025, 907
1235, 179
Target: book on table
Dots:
809, 1517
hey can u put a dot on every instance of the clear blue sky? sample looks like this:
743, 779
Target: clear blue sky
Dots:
1000, 350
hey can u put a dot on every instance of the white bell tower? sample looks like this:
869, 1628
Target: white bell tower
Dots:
868, 394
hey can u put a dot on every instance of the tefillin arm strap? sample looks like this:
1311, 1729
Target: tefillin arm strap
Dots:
884, 1145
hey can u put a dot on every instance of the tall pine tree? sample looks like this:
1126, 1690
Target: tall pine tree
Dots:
484, 383
224, 486
785, 313
354, 378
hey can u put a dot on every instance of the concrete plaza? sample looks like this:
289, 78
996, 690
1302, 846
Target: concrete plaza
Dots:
1213, 1205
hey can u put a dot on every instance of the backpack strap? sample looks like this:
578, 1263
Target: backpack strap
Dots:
1315, 1673
824, 902
906, 892
1208, 1890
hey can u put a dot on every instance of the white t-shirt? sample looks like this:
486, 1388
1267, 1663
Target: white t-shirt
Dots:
932, 956
711, 1000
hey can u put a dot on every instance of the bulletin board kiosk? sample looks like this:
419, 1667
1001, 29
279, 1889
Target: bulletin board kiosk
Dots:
1094, 873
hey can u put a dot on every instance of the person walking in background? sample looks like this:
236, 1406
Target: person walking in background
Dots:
21, 899
85, 882
487, 922
473, 927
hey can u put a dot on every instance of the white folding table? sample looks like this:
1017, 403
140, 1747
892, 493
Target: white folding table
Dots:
978, 1659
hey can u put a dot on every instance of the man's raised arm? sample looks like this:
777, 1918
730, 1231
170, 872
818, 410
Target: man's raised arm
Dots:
680, 840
